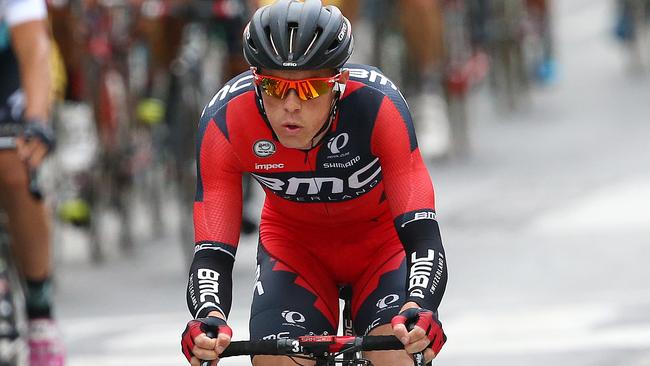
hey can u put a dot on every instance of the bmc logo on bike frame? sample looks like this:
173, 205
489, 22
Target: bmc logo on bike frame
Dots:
314, 189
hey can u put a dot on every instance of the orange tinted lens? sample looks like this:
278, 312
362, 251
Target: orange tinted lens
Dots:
306, 89
310, 89
274, 87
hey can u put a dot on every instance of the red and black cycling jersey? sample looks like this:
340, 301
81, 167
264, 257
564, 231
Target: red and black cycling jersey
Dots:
366, 169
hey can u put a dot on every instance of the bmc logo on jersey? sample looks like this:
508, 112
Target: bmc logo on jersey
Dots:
307, 188
337, 143
264, 148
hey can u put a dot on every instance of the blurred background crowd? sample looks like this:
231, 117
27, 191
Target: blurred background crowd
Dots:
131, 78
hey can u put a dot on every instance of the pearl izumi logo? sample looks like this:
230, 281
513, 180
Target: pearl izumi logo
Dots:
387, 301
293, 318
337, 143
264, 148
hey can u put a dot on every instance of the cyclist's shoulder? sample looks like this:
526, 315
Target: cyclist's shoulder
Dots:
373, 84
229, 93
372, 78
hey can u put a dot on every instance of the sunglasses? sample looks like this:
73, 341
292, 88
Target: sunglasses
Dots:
306, 89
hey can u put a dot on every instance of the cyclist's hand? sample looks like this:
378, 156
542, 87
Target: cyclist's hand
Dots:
426, 333
35, 143
197, 346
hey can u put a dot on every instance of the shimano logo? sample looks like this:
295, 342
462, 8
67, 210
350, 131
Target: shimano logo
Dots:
314, 189
337, 143
293, 317
289, 64
268, 166
386, 301
347, 164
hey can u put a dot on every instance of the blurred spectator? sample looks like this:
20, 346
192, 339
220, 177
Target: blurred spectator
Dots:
25, 99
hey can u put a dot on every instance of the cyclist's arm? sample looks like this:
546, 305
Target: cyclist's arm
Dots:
31, 43
217, 218
410, 195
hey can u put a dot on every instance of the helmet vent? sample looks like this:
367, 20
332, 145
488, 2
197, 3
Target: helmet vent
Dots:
313, 41
275, 49
251, 44
292, 35
335, 43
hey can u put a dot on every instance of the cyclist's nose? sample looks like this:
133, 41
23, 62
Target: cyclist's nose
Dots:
292, 101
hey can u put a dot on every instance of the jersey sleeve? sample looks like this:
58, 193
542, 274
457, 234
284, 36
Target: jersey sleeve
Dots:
410, 196
217, 219
406, 179
21, 11
218, 201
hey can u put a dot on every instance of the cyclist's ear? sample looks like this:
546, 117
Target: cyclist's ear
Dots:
345, 76
343, 79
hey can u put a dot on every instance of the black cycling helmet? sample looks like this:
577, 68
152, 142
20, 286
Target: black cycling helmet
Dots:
298, 35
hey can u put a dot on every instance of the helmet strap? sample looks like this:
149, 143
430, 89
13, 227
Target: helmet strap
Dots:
260, 108
330, 119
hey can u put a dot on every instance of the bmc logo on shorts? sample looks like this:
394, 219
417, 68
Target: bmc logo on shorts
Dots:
293, 317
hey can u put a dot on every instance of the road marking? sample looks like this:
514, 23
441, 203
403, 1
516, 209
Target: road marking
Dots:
578, 327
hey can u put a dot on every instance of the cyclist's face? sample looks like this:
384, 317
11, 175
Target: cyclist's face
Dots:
296, 121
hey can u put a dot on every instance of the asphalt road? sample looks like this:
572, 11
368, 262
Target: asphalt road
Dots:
546, 228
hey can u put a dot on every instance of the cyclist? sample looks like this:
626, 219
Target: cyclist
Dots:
348, 197
25, 99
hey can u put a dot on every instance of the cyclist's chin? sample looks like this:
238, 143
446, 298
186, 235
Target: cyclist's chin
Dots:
294, 141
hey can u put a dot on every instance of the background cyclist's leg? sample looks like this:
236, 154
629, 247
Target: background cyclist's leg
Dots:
28, 223
421, 22
288, 304
422, 26
28, 218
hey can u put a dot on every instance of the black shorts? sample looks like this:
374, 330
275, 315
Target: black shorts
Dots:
12, 101
290, 302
